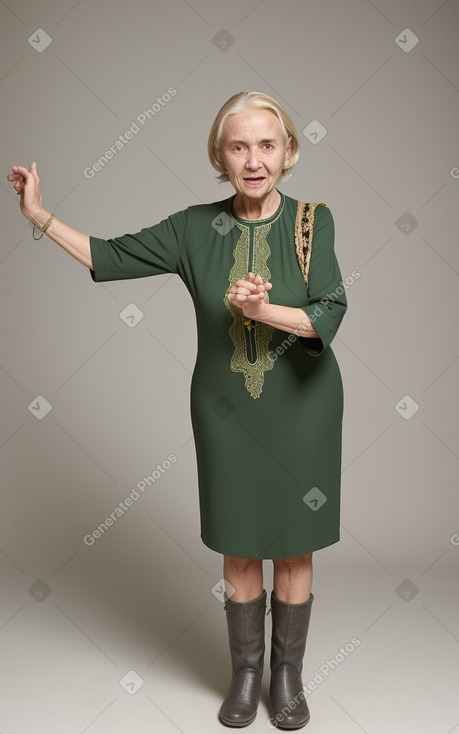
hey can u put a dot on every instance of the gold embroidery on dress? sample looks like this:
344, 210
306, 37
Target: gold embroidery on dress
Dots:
304, 227
262, 333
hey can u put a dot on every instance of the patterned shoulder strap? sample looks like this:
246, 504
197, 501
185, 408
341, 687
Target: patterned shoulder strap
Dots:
304, 227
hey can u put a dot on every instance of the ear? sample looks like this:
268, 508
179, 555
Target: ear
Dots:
288, 150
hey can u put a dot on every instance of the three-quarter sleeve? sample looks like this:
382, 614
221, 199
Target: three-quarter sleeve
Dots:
152, 251
327, 296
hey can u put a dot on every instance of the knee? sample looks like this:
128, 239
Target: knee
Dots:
294, 563
240, 566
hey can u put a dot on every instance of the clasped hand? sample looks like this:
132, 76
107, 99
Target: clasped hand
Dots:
250, 294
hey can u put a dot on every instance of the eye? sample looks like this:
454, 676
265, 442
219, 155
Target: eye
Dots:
268, 146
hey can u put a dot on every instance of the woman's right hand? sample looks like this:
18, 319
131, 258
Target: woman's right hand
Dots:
27, 186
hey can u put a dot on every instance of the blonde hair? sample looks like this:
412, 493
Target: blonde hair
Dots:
259, 101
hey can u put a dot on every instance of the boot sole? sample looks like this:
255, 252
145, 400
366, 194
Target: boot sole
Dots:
237, 725
291, 728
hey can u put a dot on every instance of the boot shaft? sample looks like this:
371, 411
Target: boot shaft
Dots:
246, 632
290, 624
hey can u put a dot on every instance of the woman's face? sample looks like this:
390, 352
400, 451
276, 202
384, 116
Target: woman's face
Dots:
254, 151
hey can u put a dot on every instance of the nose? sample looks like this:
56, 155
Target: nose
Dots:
252, 162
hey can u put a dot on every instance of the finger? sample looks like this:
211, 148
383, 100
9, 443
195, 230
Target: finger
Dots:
33, 170
20, 170
232, 299
264, 287
242, 283
239, 298
258, 289
243, 292
239, 295
254, 278
241, 286
14, 177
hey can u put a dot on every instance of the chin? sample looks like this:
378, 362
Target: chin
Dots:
265, 188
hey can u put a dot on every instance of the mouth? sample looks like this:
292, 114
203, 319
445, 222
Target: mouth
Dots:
254, 180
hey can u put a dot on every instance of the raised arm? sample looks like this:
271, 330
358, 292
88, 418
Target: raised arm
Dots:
27, 186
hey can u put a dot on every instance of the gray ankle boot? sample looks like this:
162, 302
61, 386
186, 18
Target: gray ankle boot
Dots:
246, 631
290, 623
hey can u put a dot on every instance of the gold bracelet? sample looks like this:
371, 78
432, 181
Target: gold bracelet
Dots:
44, 228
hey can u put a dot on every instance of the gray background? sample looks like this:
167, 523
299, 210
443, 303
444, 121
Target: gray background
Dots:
76, 619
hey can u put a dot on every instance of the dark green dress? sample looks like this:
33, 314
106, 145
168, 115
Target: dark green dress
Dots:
266, 406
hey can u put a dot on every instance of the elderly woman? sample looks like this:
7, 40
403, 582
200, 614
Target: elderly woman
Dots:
266, 391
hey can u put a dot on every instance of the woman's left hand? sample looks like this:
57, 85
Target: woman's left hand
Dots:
250, 294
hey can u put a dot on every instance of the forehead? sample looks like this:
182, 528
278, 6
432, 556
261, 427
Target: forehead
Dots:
252, 124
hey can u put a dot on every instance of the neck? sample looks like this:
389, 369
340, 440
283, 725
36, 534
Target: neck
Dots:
248, 208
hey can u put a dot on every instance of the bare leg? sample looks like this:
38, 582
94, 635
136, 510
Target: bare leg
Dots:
293, 578
245, 575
